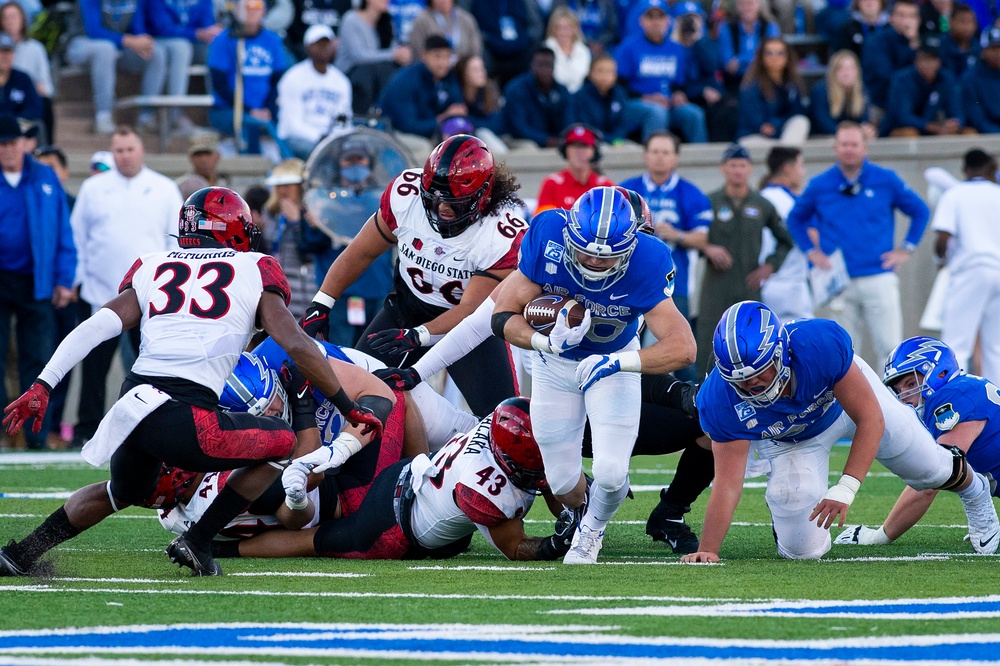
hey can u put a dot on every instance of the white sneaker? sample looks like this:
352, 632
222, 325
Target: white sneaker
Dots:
103, 124
984, 528
585, 547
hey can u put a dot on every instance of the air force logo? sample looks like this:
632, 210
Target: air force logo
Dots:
744, 411
945, 417
553, 251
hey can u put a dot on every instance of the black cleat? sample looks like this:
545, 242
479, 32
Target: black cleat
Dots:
666, 523
8, 567
181, 551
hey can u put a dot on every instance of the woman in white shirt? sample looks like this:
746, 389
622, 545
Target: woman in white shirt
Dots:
572, 55
31, 58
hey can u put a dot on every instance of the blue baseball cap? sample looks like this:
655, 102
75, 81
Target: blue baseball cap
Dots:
688, 7
649, 5
735, 151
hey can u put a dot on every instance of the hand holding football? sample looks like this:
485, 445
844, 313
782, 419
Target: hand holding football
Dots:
541, 312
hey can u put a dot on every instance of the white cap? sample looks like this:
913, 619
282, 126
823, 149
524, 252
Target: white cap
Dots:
316, 33
102, 158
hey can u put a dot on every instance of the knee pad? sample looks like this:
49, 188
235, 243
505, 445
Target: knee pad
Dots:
960, 469
610, 475
563, 478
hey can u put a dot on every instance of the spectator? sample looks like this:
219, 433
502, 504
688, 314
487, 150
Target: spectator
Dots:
596, 19
18, 96
580, 147
832, 19
734, 271
772, 106
507, 40
114, 35
935, 16
314, 97
923, 99
109, 235
681, 212
960, 47
840, 96
256, 197
739, 39
417, 98
890, 49
442, 17
652, 68
479, 92
286, 208
184, 28
37, 260
314, 12
852, 206
566, 41
404, 13
203, 154
262, 66
368, 53
31, 58
702, 80
604, 104
540, 111
867, 17
981, 88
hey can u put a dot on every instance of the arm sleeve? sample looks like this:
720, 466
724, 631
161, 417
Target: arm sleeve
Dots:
900, 105
752, 114
463, 338
273, 278
823, 122
479, 510
914, 207
104, 325
66, 258
90, 11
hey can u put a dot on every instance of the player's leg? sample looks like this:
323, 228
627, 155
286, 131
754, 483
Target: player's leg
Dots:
695, 471
442, 420
964, 309
989, 325
486, 376
558, 415
360, 471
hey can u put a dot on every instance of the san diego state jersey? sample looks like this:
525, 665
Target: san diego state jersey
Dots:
615, 311
969, 398
821, 354
433, 272
469, 491
199, 310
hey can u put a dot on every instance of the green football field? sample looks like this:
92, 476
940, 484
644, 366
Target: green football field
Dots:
114, 597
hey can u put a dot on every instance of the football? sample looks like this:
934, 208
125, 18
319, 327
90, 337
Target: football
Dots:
541, 312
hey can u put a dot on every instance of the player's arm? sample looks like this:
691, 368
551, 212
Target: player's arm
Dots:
374, 240
856, 396
941, 245
510, 539
508, 319
675, 347
727, 488
478, 290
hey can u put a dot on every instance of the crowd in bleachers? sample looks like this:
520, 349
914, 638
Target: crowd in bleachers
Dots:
521, 71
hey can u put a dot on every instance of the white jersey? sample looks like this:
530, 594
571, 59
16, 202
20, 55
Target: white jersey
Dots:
469, 491
437, 270
968, 211
199, 310
179, 518
309, 103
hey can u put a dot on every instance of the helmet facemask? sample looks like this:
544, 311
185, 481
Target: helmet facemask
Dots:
253, 388
769, 394
465, 209
602, 225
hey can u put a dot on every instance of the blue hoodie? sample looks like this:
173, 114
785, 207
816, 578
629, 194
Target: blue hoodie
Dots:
178, 18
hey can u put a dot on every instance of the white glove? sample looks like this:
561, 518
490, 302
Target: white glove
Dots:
329, 457
562, 338
293, 480
859, 535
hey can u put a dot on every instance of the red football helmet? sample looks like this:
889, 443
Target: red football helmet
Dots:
217, 217
643, 215
170, 487
459, 173
514, 446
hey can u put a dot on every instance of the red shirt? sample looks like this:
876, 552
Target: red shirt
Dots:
561, 190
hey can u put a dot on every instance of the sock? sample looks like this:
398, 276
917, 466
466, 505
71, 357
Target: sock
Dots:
975, 488
226, 506
603, 506
222, 549
55, 530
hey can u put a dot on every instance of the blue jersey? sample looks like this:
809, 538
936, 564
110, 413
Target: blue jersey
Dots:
969, 398
821, 354
614, 311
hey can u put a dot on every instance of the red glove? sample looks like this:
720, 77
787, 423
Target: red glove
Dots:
362, 415
33, 403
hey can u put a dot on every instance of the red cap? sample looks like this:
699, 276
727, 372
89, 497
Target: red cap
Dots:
581, 135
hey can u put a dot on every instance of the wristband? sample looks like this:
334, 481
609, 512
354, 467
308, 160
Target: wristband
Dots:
540, 343
844, 491
423, 336
342, 402
909, 247
629, 361
296, 506
324, 298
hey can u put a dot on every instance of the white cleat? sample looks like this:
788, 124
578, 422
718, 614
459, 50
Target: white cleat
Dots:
984, 528
585, 547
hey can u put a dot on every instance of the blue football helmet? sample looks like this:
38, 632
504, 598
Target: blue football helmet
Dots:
921, 355
748, 340
601, 225
253, 387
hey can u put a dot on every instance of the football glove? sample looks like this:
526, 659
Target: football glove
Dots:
563, 338
316, 321
397, 341
859, 535
598, 366
32, 403
293, 480
400, 379
355, 413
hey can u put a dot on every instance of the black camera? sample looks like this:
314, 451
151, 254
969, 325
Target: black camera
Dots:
688, 24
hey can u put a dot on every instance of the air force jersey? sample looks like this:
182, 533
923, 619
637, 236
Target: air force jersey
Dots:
614, 311
968, 398
433, 272
821, 354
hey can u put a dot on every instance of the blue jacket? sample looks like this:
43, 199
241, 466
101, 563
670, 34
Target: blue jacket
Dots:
603, 112
913, 102
734, 42
534, 115
53, 252
263, 66
823, 122
861, 224
702, 66
981, 98
488, 14
647, 68
412, 99
178, 18
128, 18
957, 61
885, 53
19, 97
755, 109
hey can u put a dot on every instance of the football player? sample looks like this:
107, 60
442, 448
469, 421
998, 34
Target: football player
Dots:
456, 227
486, 479
196, 308
595, 254
959, 410
794, 391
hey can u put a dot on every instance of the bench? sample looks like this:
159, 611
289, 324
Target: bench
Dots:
163, 104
